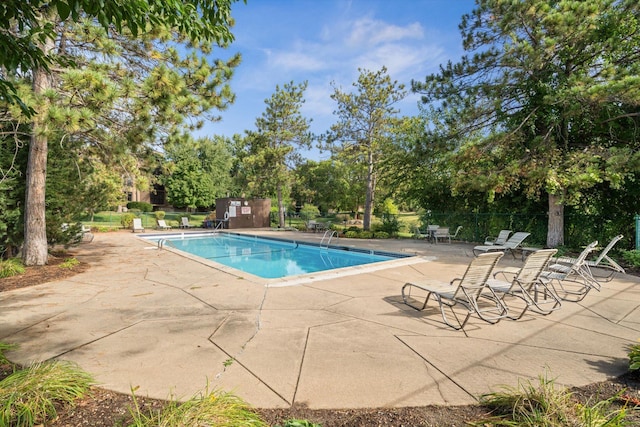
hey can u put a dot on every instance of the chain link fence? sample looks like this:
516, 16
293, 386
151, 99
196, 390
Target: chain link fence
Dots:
580, 228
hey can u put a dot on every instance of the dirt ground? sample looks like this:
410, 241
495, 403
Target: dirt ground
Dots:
104, 408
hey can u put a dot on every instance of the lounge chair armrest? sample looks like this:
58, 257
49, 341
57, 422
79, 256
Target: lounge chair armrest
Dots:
508, 273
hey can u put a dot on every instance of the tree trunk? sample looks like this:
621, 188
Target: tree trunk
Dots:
281, 223
35, 250
368, 201
555, 233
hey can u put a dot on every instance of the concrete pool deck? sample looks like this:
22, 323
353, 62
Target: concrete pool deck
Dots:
168, 325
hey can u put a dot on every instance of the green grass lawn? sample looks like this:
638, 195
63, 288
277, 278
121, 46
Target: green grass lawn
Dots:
107, 220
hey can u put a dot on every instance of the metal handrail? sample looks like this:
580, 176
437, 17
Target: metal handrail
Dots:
218, 226
331, 233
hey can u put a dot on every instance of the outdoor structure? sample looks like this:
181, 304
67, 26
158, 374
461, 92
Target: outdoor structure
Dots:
237, 212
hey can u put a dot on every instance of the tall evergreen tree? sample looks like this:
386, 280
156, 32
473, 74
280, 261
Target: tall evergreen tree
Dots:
365, 123
128, 85
24, 34
545, 100
272, 152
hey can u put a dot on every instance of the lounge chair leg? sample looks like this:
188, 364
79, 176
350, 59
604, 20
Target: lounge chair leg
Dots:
447, 322
407, 294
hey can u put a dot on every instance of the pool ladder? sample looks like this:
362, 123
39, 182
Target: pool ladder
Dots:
328, 235
219, 226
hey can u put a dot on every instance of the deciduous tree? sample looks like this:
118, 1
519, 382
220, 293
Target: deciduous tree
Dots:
329, 184
197, 172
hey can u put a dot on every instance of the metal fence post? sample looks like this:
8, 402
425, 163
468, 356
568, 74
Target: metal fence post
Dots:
476, 231
637, 218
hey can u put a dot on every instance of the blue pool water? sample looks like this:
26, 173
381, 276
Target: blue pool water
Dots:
271, 258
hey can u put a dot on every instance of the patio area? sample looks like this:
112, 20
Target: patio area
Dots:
166, 324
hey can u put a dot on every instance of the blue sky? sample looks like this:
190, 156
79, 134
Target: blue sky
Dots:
325, 41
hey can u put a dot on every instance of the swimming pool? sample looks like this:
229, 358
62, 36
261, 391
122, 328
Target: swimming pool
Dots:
271, 258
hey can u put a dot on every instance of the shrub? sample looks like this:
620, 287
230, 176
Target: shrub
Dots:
127, 220
69, 263
142, 206
159, 214
343, 217
381, 235
366, 235
632, 257
389, 207
546, 405
309, 211
351, 234
210, 409
11, 267
390, 224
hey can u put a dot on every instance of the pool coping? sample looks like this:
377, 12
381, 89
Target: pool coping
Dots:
400, 259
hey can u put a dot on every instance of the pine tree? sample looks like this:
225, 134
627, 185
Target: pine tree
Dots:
545, 100
117, 83
272, 150
365, 122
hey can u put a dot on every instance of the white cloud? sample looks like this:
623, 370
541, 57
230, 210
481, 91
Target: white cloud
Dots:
370, 32
296, 60
403, 61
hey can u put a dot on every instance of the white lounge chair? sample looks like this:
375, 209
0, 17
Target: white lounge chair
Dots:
457, 231
84, 233
87, 235
471, 292
184, 222
576, 273
605, 267
162, 225
512, 244
503, 236
527, 285
137, 225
